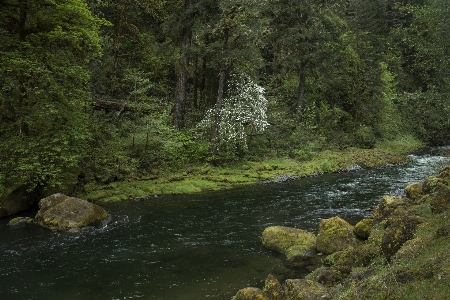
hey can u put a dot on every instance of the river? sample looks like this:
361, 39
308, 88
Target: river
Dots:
190, 247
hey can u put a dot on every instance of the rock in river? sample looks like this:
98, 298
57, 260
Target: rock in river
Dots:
335, 234
291, 242
61, 212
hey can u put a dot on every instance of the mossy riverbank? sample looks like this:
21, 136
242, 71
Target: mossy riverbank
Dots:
195, 179
406, 254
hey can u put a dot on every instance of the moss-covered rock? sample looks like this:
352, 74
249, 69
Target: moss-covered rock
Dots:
443, 231
362, 228
400, 227
273, 289
334, 234
61, 212
430, 183
303, 289
358, 256
328, 276
332, 259
250, 293
440, 198
292, 242
414, 191
20, 222
387, 206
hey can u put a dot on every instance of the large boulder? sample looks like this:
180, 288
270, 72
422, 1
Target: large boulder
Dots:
388, 205
292, 242
335, 234
401, 227
61, 212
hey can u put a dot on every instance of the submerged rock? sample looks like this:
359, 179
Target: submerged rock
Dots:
354, 168
335, 234
61, 212
20, 222
292, 242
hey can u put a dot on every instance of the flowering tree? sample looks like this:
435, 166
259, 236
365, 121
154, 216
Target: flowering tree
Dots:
243, 111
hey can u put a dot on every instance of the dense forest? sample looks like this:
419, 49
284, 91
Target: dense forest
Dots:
111, 89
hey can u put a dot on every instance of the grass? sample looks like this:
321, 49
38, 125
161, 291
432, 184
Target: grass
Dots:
196, 179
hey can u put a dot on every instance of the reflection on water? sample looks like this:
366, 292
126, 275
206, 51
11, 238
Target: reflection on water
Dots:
189, 247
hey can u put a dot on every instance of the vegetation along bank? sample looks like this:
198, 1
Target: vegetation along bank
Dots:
400, 252
122, 100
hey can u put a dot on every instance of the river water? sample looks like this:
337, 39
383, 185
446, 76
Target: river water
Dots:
190, 247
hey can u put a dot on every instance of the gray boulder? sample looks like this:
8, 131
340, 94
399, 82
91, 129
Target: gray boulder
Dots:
61, 212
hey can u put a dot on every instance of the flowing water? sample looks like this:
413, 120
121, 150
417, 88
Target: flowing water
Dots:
195, 247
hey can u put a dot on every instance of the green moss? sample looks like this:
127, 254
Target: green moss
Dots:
335, 234
289, 241
250, 293
197, 179
363, 227
414, 191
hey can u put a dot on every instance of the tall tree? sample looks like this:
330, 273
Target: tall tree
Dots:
183, 65
299, 35
237, 35
45, 47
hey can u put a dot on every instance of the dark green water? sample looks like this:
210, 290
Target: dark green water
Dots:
190, 247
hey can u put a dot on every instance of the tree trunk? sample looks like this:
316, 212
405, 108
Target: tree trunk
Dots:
195, 88
24, 126
220, 91
301, 92
179, 108
203, 84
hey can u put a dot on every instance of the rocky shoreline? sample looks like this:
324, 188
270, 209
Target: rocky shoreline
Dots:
401, 252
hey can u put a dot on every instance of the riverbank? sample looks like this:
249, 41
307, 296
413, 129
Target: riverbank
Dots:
196, 179
406, 254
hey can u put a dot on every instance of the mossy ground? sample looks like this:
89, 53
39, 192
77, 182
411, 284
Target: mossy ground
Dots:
420, 270
195, 179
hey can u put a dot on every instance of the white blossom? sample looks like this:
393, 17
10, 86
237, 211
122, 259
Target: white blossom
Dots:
244, 109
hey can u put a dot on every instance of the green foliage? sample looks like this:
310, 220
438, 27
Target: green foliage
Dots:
365, 74
44, 59
365, 137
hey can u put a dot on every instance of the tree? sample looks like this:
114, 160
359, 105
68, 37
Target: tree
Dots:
44, 52
300, 32
183, 66
237, 31
243, 111
424, 50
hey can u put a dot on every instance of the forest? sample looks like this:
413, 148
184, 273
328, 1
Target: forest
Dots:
110, 90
